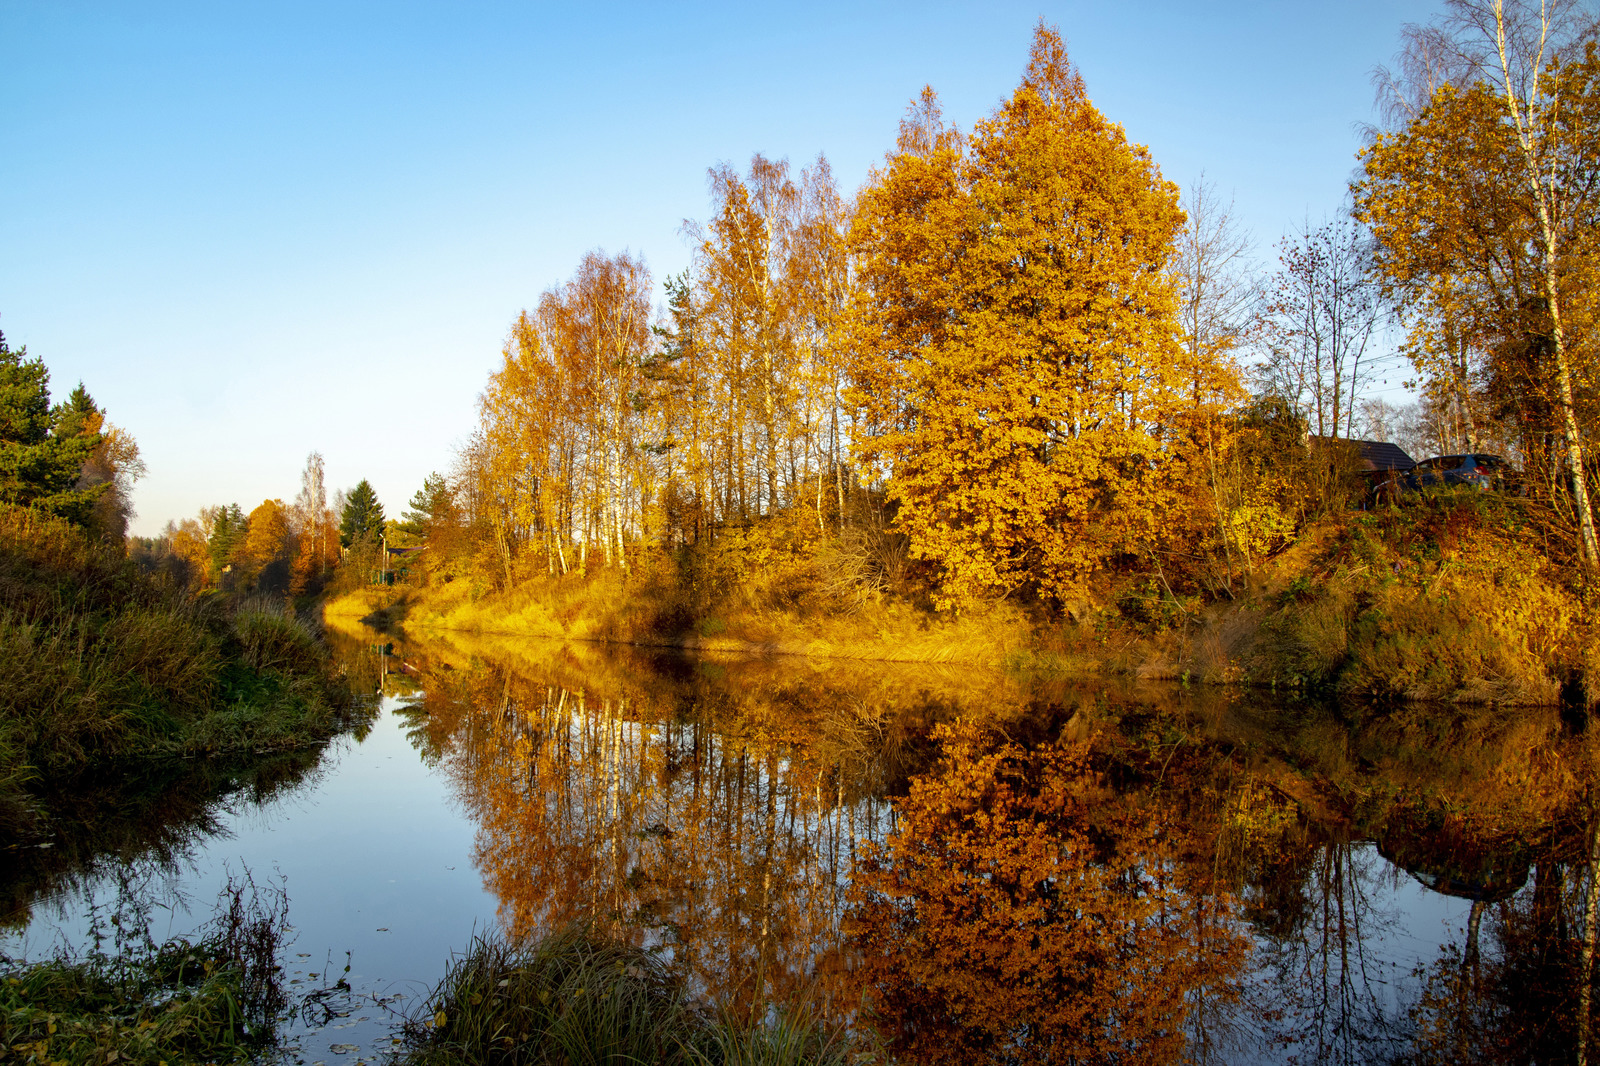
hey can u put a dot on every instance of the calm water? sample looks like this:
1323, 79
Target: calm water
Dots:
1302, 887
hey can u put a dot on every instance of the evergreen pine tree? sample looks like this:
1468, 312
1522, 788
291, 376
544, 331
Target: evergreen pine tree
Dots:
77, 415
228, 531
430, 503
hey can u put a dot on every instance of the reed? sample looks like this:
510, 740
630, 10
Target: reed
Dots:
101, 662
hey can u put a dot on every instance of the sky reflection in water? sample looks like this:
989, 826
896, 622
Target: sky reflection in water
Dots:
715, 809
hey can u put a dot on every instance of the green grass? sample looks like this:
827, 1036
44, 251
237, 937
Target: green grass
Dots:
217, 998
578, 999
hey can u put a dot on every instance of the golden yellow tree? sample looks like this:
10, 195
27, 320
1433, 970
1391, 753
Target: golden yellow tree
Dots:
187, 541
1016, 342
558, 460
266, 543
747, 320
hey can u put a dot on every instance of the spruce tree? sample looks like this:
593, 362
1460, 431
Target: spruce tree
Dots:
228, 530
362, 517
40, 465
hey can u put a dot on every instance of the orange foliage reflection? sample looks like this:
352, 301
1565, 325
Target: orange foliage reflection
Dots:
1024, 911
722, 839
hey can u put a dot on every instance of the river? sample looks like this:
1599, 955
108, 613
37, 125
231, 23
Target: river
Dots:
1243, 878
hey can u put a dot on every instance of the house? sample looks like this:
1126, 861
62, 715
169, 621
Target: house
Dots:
392, 572
1380, 457
1382, 465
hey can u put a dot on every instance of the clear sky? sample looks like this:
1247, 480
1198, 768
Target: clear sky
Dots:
258, 229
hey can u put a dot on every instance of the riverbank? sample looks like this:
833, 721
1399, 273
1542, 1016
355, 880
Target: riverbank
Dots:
1448, 599
216, 997
103, 664
613, 608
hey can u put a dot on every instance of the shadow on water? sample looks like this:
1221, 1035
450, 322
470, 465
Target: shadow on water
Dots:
986, 865
152, 814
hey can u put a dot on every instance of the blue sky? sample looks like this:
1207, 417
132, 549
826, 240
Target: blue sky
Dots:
255, 230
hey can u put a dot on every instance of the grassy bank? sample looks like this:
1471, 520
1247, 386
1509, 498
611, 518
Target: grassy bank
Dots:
576, 998
216, 998
1451, 598
644, 609
104, 664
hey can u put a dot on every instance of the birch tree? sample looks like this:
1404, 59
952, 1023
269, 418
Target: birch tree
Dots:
1492, 187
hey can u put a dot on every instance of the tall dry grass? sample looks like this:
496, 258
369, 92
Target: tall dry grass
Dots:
1447, 600
101, 663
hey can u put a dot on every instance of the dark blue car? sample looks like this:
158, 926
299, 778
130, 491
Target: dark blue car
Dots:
1476, 471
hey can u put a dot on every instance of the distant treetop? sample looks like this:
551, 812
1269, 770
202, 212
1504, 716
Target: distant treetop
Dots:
363, 515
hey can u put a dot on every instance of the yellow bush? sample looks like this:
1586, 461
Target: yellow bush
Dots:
1259, 527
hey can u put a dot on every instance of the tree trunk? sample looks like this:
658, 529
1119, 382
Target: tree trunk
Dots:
1591, 915
1569, 419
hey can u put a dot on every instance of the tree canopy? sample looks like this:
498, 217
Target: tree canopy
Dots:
1484, 206
431, 503
1018, 356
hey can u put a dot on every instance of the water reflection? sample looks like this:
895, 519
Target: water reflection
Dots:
680, 804
150, 817
1202, 876
1029, 908
982, 866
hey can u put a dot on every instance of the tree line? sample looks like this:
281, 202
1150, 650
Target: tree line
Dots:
280, 549
1021, 345
64, 459
1022, 351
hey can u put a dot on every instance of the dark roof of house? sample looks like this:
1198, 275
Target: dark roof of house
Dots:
1376, 454
1379, 455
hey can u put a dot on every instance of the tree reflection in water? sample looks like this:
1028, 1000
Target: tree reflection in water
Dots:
1025, 911
1093, 876
721, 834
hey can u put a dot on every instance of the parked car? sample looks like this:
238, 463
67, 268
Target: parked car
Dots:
1477, 470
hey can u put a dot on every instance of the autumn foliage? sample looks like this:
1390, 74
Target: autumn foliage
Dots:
1025, 911
981, 354
1016, 346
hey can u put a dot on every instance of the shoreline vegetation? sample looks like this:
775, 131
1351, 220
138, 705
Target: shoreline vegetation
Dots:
1448, 599
575, 996
217, 996
105, 665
